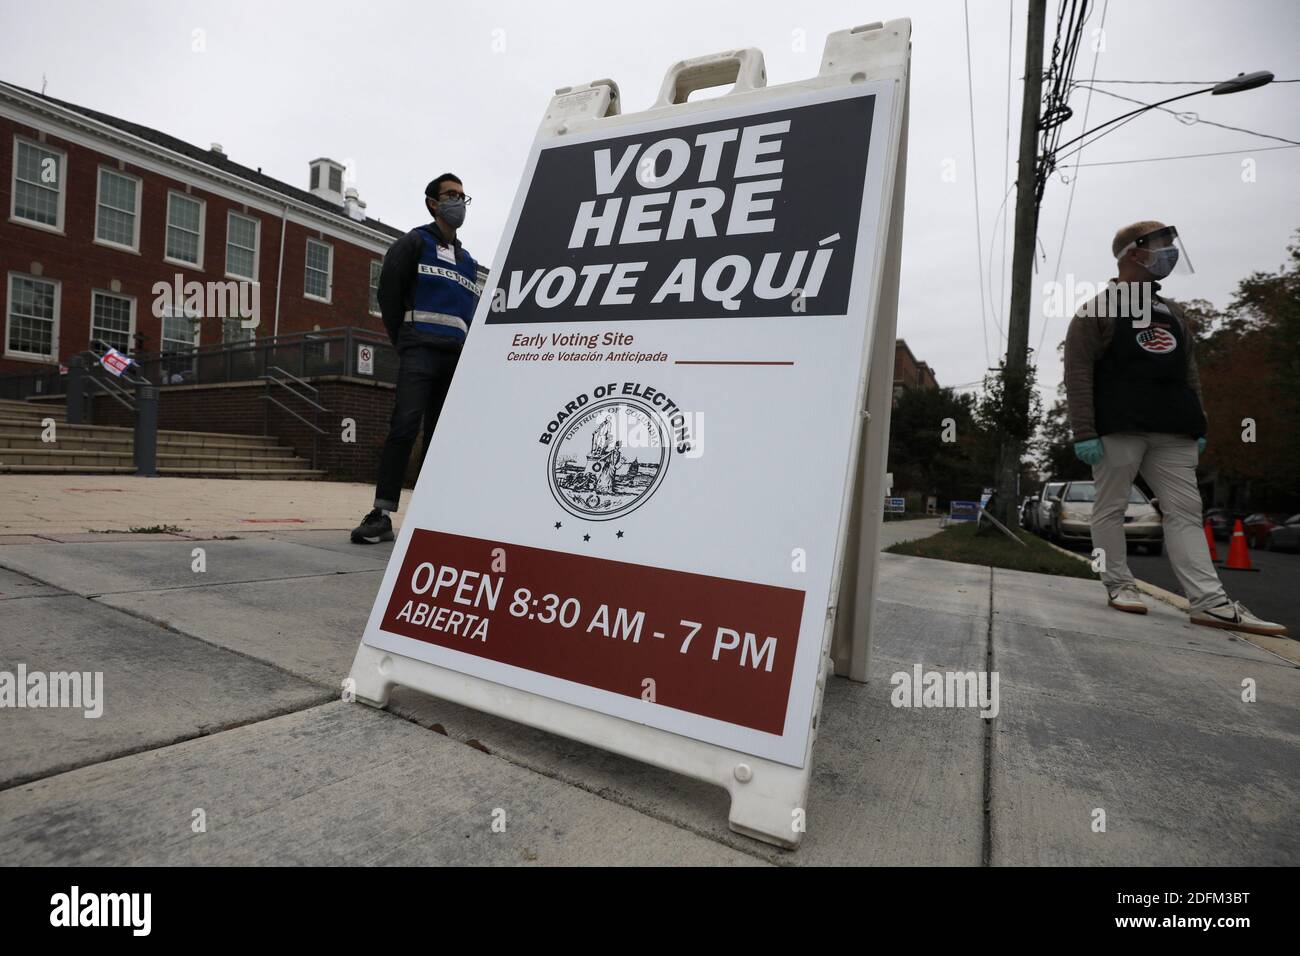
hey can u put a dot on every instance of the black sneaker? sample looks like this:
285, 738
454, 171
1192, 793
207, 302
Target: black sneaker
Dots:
376, 527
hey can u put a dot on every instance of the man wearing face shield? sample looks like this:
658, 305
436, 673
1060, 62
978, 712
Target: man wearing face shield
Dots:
428, 290
1135, 408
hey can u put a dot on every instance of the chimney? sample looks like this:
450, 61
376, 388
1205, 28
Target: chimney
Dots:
353, 205
216, 148
327, 180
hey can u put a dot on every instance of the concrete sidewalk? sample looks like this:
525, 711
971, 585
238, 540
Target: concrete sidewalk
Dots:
71, 507
221, 696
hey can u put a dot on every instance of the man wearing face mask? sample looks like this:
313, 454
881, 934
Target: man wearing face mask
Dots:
427, 295
1135, 407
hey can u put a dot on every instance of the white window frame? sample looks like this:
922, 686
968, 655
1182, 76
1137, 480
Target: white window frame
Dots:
53, 357
203, 222
375, 285
329, 272
63, 191
130, 332
139, 193
257, 246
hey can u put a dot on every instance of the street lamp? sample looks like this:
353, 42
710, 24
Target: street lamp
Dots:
1239, 83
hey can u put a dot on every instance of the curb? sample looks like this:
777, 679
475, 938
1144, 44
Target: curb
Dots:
1272, 645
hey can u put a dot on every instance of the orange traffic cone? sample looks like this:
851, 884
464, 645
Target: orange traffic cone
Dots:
1238, 553
1209, 537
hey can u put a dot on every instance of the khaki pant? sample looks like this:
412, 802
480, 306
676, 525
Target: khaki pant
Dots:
1168, 463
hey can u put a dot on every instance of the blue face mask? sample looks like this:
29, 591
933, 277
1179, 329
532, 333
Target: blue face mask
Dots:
1162, 261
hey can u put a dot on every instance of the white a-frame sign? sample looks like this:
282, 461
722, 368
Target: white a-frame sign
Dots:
658, 473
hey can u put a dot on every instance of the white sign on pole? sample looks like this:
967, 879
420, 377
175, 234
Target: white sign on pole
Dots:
365, 360
670, 363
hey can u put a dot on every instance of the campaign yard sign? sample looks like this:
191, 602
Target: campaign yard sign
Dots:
964, 510
634, 497
115, 362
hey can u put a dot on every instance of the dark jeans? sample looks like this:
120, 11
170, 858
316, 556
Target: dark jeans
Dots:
423, 375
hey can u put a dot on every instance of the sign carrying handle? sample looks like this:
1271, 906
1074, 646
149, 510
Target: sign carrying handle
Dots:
743, 68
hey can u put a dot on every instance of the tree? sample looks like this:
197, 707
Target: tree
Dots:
921, 457
1249, 359
1055, 445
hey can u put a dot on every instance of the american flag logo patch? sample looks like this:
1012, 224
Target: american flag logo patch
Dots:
1157, 340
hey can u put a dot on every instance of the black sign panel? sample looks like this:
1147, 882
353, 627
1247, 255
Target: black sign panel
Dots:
749, 216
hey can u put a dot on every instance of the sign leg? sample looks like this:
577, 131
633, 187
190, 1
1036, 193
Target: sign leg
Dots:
371, 676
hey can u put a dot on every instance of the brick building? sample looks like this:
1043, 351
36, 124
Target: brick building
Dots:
909, 371
99, 210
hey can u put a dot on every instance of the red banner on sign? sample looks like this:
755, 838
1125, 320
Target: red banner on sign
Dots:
711, 646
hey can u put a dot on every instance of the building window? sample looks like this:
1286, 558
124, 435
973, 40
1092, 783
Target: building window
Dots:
233, 332
375, 267
32, 319
317, 281
336, 179
180, 342
112, 320
38, 185
184, 230
117, 213
241, 247
315, 177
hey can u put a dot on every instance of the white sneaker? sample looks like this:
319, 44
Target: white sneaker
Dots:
1127, 598
1234, 616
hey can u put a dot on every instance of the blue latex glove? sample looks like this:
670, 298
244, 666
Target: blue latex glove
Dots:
1089, 452
1200, 445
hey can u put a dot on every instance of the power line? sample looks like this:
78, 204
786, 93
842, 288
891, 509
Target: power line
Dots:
979, 241
1106, 132
1006, 164
1000, 217
1069, 206
1155, 159
1165, 109
1179, 82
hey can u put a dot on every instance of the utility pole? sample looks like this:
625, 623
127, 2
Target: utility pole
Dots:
1022, 259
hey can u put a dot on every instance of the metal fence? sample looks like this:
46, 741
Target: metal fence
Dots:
302, 354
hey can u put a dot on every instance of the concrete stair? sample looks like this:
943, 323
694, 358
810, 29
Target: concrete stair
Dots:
104, 449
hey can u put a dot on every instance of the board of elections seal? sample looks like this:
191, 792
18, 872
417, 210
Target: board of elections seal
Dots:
609, 460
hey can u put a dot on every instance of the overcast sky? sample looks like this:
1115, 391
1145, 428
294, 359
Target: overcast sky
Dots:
403, 91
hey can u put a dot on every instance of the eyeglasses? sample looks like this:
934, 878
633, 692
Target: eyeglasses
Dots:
453, 195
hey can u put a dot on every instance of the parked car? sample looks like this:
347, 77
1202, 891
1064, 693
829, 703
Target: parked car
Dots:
1258, 525
1072, 518
1027, 512
1285, 537
1221, 521
1042, 514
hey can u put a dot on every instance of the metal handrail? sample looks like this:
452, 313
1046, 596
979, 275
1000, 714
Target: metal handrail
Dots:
143, 408
324, 352
314, 427
288, 374
270, 380
101, 380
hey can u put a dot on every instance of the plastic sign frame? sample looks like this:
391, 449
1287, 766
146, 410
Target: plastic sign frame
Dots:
715, 727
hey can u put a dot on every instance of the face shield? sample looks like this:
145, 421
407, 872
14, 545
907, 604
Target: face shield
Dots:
1160, 252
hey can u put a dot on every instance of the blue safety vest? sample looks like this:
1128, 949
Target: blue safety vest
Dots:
444, 294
